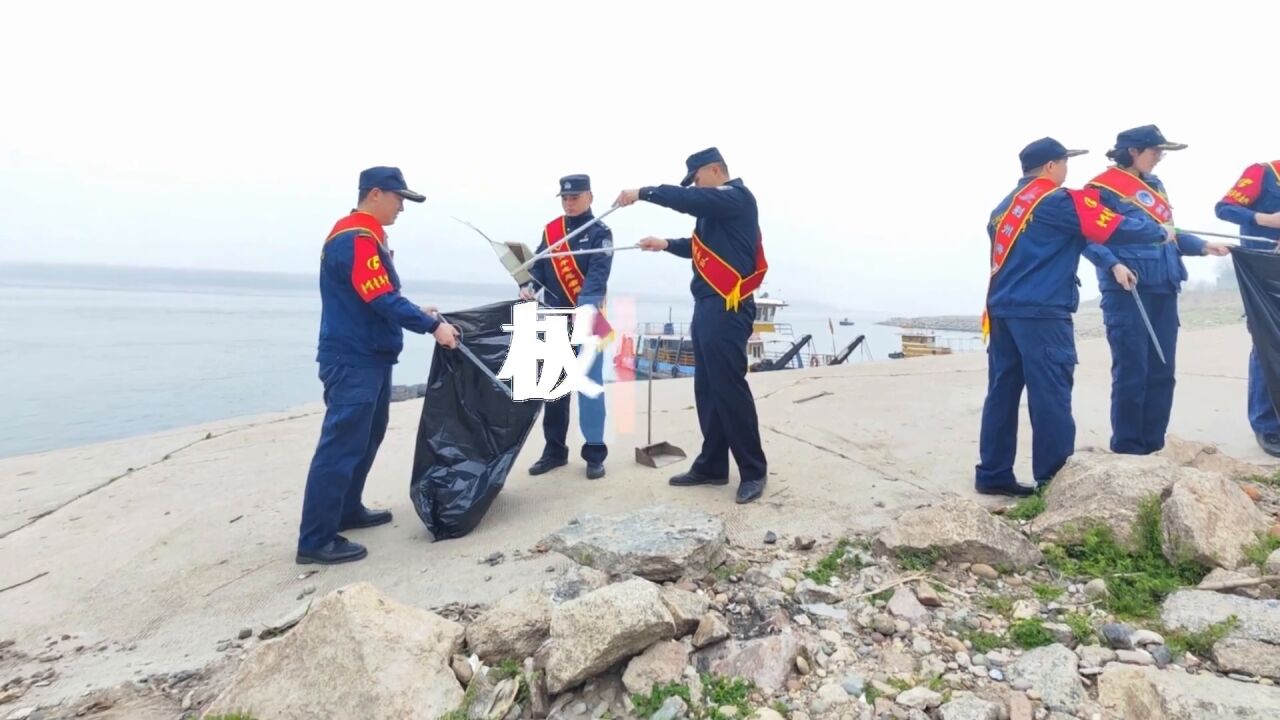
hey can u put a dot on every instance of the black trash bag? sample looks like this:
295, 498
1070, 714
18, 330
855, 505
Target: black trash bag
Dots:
470, 431
1258, 273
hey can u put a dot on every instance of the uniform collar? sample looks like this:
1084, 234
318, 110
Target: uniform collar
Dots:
358, 219
579, 220
1140, 175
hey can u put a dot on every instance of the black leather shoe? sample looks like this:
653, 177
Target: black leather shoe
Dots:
1270, 443
366, 518
340, 550
595, 471
692, 478
546, 465
1012, 489
751, 491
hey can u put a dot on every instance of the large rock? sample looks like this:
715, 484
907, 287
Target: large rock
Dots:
516, 626
592, 633
711, 630
967, 706
765, 661
1254, 657
1096, 488
1209, 458
1197, 610
512, 628
1253, 644
1053, 671
1272, 565
809, 592
575, 582
661, 664
960, 531
1210, 520
686, 609
657, 544
357, 653
1145, 693
905, 605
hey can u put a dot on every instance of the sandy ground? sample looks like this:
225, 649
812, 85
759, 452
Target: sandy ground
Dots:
169, 544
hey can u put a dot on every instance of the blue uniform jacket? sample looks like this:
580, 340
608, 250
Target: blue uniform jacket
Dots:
1158, 265
728, 224
1038, 278
595, 268
1257, 191
361, 308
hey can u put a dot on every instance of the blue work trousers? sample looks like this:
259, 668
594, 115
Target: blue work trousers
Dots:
591, 415
1262, 412
357, 406
1141, 385
726, 408
1040, 355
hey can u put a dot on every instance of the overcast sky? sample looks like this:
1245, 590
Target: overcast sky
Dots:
877, 140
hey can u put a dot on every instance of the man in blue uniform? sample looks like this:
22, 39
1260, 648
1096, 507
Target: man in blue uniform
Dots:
728, 266
1254, 204
1141, 384
1037, 234
361, 320
572, 281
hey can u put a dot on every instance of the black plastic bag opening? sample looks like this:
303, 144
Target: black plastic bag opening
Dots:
470, 431
1258, 274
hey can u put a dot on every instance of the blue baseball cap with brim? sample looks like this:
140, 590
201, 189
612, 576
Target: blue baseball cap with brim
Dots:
697, 161
1146, 136
1045, 150
389, 179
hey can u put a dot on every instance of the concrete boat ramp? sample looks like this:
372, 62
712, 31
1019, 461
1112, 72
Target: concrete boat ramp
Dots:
149, 552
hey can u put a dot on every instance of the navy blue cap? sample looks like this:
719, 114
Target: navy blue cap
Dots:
574, 184
1147, 136
1044, 150
389, 179
698, 160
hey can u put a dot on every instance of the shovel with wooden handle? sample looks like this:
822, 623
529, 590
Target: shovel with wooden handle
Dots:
656, 455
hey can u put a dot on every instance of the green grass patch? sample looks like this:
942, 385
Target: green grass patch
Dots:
647, 705
782, 709
984, 642
717, 692
507, 669
1138, 582
871, 694
837, 563
720, 691
898, 684
1199, 643
726, 571
1080, 626
1028, 634
1273, 479
918, 560
1028, 507
882, 596
1258, 552
1048, 593
998, 604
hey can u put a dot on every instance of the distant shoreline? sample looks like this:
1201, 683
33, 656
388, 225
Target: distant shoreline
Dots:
957, 323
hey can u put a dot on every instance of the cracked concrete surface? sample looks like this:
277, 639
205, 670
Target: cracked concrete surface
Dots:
176, 541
